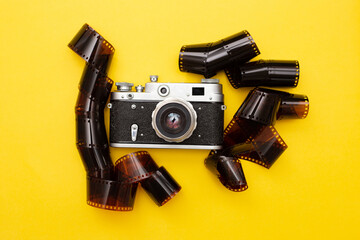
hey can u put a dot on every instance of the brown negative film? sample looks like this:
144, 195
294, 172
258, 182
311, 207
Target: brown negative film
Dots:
241, 47
232, 175
240, 148
91, 135
140, 167
272, 73
93, 48
85, 41
88, 108
91, 132
135, 167
95, 85
294, 106
161, 186
111, 195
268, 146
261, 105
247, 138
209, 58
97, 161
228, 170
232, 73
192, 58
239, 130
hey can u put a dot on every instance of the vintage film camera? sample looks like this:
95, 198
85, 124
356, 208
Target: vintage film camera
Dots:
180, 116
167, 115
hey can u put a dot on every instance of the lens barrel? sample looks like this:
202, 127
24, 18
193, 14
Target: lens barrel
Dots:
163, 120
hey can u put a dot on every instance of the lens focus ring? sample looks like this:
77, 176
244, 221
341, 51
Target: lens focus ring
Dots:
174, 119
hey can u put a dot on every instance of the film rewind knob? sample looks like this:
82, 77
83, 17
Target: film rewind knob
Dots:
124, 86
210, 80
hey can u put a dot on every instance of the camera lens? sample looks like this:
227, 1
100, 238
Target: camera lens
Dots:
171, 120
174, 120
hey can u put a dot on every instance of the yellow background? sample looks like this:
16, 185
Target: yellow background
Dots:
312, 191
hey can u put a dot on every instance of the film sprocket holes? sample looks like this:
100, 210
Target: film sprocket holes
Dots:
179, 115
232, 55
251, 135
168, 115
109, 186
208, 58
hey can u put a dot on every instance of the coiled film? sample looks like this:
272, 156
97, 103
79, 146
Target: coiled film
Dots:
140, 167
293, 106
93, 48
251, 135
208, 58
161, 186
108, 186
271, 73
133, 169
228, 170
260, 106
94, 90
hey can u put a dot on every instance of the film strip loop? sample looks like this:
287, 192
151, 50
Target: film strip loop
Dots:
139, 167
130, 171
267, 146
293, 106
260, 106
228, 170
161, 186
93, 48
208, 58
271, 73
251, 136
135, 167
94, 90
111, 195
232, 75
109, 186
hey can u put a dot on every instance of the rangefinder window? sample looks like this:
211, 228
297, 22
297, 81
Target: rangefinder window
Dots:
198, 91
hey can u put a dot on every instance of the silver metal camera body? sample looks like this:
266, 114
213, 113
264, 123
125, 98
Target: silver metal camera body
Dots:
167, 115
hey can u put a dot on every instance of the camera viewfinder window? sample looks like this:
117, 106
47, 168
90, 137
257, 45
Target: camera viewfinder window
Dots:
198, 91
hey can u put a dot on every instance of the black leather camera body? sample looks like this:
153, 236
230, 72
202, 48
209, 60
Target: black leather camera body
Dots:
167, 115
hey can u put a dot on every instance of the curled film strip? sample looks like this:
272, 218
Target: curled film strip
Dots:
280, 73
251, 135
208, 58
109, 186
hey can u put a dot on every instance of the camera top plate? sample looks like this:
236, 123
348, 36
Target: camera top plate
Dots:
205, 91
